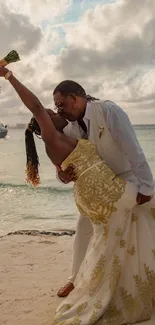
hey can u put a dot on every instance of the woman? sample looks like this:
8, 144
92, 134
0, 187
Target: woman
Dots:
116, 283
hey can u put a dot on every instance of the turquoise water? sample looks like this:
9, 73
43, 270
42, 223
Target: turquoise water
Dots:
50, 206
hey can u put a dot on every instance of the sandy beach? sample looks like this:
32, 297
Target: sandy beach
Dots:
32, 269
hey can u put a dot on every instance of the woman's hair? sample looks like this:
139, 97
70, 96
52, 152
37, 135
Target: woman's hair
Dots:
67, 87
32, 163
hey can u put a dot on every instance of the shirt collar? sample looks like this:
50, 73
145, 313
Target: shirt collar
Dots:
87, 111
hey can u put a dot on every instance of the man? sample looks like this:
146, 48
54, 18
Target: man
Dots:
107, 126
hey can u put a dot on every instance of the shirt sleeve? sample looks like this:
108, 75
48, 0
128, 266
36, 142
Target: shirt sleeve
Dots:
124, 135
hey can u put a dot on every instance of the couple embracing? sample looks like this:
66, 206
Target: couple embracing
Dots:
114, 248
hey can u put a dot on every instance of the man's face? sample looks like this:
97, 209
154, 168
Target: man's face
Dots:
68, 107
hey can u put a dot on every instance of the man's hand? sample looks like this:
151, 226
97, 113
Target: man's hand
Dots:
68, 175
141, 198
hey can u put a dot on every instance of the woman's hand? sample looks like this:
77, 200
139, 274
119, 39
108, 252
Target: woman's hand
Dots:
3, 71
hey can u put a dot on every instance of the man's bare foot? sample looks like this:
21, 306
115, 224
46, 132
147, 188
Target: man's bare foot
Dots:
64, 291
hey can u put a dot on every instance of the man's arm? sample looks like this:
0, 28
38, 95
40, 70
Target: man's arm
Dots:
124, 135
66, 176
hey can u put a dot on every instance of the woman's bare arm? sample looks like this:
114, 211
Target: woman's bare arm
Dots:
48, 131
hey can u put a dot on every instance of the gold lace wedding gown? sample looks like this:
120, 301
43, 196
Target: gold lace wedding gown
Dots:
116, 282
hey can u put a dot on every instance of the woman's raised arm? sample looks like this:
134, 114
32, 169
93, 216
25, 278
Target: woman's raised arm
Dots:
48, 131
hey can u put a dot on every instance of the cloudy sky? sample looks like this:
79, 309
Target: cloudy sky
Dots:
107, 46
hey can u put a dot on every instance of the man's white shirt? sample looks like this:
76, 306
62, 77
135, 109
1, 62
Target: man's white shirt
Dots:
124, 136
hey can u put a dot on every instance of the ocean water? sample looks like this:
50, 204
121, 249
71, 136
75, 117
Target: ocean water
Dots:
51, 205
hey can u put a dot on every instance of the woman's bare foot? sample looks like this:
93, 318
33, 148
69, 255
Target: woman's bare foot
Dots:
64, 291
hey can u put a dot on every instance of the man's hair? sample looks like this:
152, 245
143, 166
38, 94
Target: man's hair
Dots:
67, 87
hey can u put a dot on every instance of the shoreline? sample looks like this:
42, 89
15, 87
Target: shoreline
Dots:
34, 232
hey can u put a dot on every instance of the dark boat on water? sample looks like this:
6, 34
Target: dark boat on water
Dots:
3, 131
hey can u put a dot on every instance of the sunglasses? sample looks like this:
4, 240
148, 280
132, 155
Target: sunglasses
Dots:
60, 106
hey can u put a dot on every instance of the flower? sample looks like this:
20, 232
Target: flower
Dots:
11, 57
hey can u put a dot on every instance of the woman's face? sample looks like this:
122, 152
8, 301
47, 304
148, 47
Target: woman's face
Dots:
59, 121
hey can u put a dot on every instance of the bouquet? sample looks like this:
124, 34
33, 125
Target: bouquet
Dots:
11, 57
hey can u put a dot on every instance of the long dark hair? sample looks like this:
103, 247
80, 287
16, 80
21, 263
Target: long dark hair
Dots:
32, 163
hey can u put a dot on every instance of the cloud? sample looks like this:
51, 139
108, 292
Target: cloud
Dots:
41, 10
109, 50
34, 40
119, 35
83, 3
16, 31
